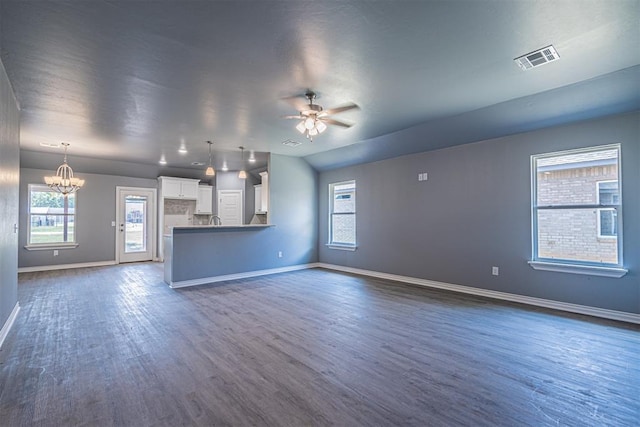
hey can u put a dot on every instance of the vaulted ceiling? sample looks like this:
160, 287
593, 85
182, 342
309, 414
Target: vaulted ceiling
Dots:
132, 81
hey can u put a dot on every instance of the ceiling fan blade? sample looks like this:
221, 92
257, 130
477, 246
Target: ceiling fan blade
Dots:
335, 122
339, 109
298, 102
298, 117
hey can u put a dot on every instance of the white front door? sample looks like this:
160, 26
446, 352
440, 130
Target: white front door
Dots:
135, 220
230, 207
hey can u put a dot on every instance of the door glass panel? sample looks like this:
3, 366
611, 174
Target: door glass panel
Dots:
135, 232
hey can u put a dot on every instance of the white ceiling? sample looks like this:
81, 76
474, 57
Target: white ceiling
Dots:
130, 81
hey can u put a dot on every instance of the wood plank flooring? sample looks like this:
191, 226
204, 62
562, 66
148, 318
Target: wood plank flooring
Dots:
115, 346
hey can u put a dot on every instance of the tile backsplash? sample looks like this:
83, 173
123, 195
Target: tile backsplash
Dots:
179, 207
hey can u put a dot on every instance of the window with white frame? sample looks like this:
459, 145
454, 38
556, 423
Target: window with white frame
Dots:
608, 194
576, 207
342, 214
51, 217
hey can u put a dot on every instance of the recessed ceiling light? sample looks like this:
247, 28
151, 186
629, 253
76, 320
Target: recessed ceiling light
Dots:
182, 150
162, 161
197, 164
538, 57
224, 166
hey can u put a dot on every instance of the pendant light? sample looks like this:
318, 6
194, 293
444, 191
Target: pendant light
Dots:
210, 171
63, 181
242, 174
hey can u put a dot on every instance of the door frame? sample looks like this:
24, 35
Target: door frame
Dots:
152, 212
241, 193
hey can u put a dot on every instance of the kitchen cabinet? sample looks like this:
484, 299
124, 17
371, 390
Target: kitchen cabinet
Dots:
204, 202
178, 188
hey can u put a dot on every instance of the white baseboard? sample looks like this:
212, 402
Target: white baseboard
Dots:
64, 266
9, 323
236, 276
539, 302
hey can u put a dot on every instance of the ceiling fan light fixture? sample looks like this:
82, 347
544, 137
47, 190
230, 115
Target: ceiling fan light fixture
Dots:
309, 123
320, 126
301, 128
313, 132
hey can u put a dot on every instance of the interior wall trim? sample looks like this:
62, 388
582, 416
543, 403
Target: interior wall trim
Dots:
539, 302
9, 323
65, 266
244, 275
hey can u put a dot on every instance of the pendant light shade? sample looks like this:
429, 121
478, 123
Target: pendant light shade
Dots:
63, 181
242, 174
210, 171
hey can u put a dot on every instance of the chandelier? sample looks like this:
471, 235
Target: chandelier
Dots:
311, 127
63, 181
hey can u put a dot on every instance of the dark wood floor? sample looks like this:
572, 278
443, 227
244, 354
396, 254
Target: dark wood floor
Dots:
117, 346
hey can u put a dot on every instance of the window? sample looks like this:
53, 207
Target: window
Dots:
51, 217
576, 211
342, 215
608, 194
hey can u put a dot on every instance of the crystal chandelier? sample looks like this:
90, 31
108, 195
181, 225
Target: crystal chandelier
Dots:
63, 181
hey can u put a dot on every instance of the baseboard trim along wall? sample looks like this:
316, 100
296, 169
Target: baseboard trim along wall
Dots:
236, 276
539, 302
65, 266
9, 323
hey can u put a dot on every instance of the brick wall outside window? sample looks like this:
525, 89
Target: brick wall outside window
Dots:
573, 234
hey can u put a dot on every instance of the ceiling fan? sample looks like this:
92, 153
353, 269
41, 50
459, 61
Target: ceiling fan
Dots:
313, 118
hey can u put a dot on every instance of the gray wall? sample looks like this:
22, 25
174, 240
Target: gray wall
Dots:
96, 208
474, 212
9, 181
293, 211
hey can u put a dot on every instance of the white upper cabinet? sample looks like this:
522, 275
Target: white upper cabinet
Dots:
179, 188
204, 202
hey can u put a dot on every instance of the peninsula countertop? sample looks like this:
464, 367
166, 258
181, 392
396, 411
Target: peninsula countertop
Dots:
215, 227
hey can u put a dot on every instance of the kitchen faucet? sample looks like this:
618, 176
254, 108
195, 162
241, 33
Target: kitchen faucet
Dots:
215, 220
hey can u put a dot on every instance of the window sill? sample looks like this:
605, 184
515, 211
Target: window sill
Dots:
48, 247
342, 247
592, 270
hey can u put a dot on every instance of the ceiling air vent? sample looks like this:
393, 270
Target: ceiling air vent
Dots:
291, 143
537, 58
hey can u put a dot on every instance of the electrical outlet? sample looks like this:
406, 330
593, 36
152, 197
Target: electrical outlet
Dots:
495, 271
55, 252
419, 177
279, 254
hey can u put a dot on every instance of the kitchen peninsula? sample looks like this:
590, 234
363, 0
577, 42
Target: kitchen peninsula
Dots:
202, 254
